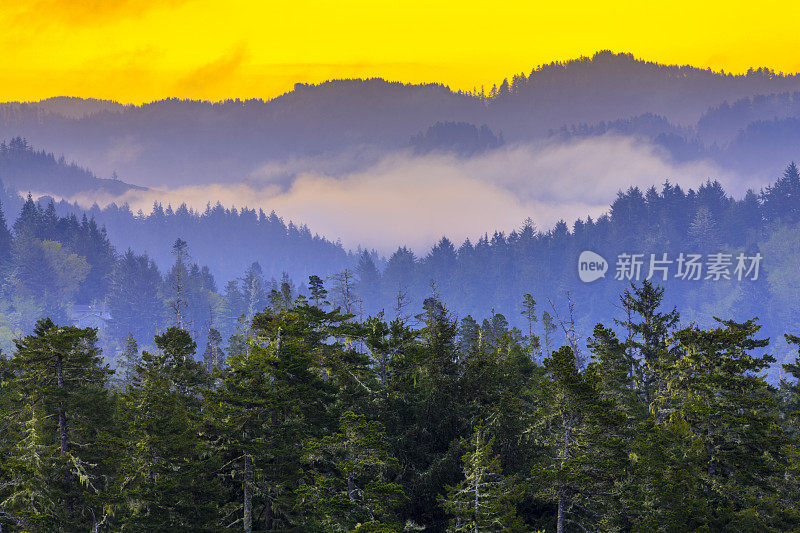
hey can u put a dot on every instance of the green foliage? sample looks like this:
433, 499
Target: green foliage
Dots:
583, 453
726, 419
160, 486
134, 299
60, 412
485, 500
47, 273
320, 422
347, 480
790, 393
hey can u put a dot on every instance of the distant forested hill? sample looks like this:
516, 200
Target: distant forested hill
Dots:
745, 136
239, 261
24, 169
178, 142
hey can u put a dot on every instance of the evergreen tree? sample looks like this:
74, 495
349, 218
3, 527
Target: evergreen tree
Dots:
790, 393
134, 300
583, 452
129, 360
162, 483
46, 274
272, 398
781, 199
316, 290
234, 306
728, 416
255, 291
549, 328
60, 469
27, 224
213, 356
281, 296
485, 500
348, 482
529, 312
648, 330
369, 281
703, 231
5, 239
90, 242
177, 279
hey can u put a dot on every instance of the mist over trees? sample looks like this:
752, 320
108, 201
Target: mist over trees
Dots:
138, 274
221, 369
343, 125
23, 168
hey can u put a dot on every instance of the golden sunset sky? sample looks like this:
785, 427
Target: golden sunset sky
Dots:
140, 50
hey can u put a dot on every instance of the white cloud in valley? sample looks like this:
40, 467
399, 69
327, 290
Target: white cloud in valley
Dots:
414, 200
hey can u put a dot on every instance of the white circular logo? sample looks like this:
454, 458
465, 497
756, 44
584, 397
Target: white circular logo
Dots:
591, 266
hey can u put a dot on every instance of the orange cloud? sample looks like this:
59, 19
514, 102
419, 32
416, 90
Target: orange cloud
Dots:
87, 12
208, 79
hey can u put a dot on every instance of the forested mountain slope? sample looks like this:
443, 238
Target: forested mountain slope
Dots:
24, 169
344, 124
239, 261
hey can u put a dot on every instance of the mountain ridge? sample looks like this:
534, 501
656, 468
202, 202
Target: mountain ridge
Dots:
175, 142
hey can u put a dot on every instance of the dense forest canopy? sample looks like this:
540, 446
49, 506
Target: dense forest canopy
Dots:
184, 369
319, 421
122, 267
181, 351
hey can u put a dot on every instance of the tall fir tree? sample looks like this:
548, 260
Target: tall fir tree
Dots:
727, 414
61, 468
348, 481
485, 500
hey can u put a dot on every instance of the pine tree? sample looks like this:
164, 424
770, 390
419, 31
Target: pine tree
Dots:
347, 483
317, 292
717, 397
254, 291
643, 474
161, 485
648, 330
485, 500
273, 397
61, 464
369, 281
130, 360
549, 328
213, 356
576, 426
790, 419
281, 296
426, 410
234, 306
790, 394
780, 200
703, 231
529, 312
5, 239
27, 224
178, 278
134, 299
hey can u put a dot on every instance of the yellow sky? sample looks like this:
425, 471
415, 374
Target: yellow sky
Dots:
141, 50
